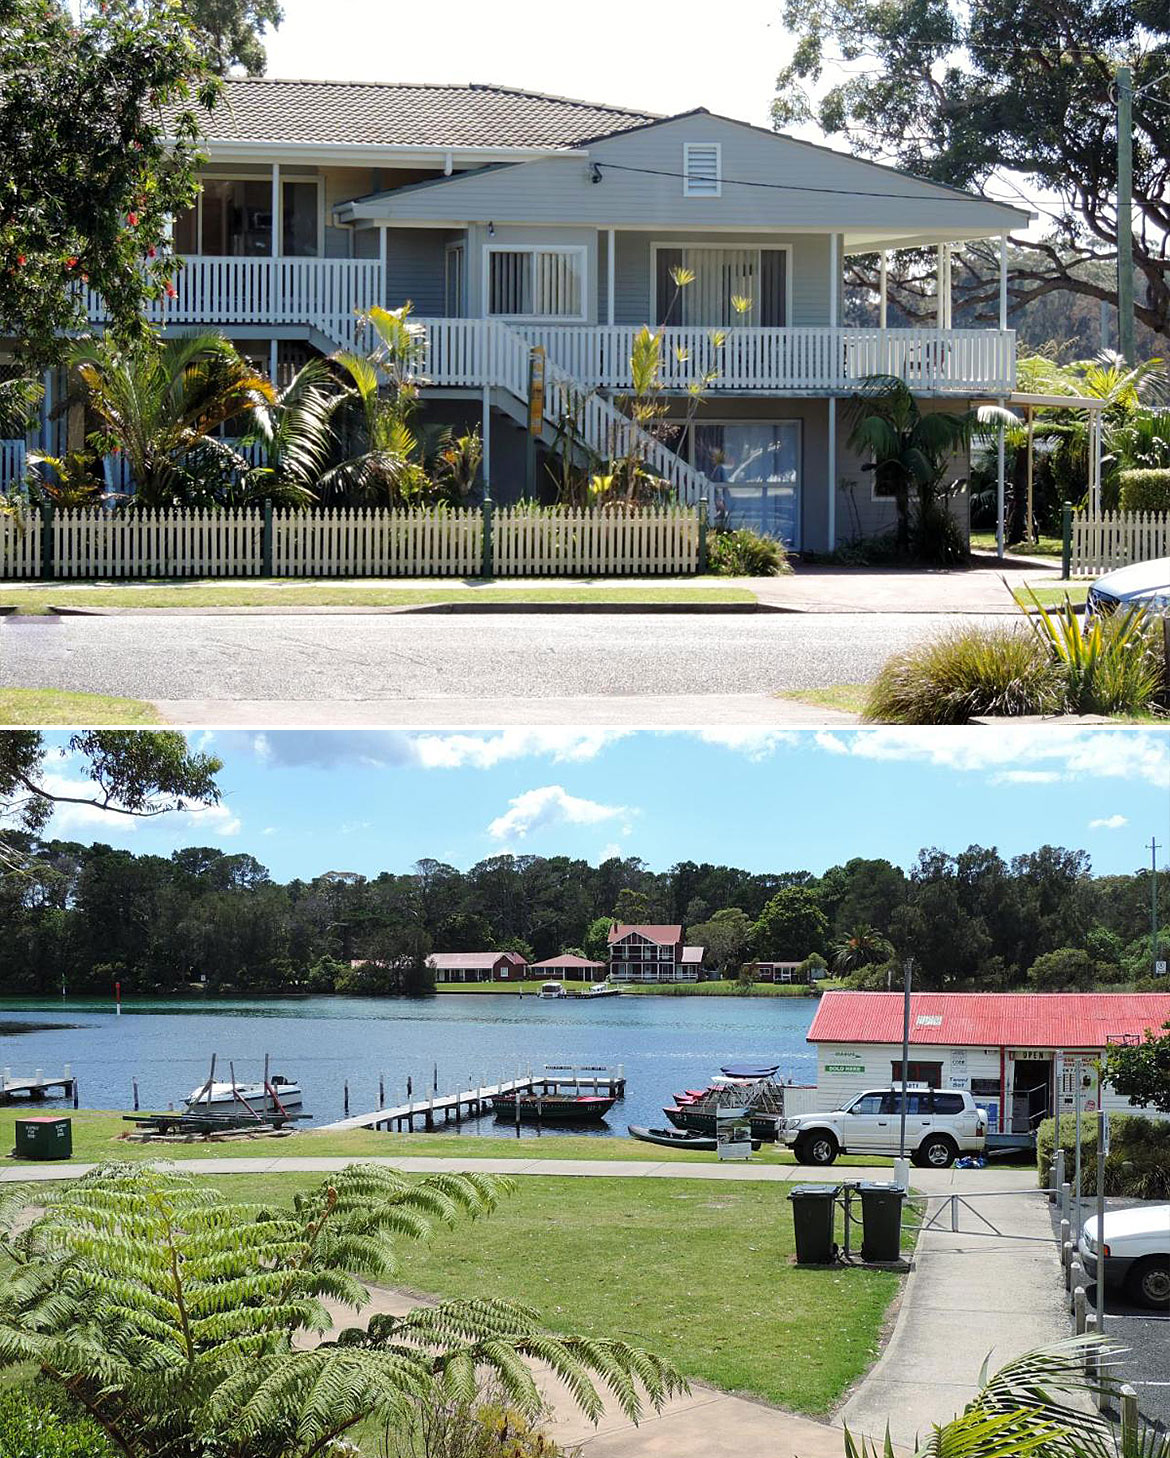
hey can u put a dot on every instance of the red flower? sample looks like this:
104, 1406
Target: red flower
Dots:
172, 291
132, 219
152, 253
71, 262
21, 260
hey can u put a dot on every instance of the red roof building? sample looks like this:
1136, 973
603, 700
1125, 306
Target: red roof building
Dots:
652, 954
1086, 1020
568, 964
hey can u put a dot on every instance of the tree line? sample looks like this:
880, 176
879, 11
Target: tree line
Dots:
84, 916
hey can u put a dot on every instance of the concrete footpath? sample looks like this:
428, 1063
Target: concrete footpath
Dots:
969, 1297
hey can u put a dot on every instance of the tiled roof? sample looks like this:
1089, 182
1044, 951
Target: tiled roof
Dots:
663, 935
990, 1019
260, 109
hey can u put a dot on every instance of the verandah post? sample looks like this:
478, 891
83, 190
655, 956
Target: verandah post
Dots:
47, 540
266, 541
487, 564
1066, 540
702, 534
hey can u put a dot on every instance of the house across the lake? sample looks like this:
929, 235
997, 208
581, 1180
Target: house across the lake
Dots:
477, 966
1016, 1052
787, 972
570, 967
652, 954
513, 221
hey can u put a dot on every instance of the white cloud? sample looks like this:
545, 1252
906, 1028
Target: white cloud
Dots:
609, 852
384, 749
756, 744
1109, 822
547, 806
1025, 777
1060, 754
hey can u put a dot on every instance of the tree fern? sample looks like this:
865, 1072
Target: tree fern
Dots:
173, 1315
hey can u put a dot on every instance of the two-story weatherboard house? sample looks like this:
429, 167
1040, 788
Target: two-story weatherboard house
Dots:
652, 954
510, 219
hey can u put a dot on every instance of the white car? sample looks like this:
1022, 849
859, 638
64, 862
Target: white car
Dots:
941, 1124
1144, 584
1136, 1252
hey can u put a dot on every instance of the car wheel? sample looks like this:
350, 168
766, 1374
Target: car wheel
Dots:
1148, 1282
936, 1153
817, 1149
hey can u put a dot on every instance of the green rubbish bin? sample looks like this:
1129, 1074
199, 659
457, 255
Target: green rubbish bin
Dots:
813, 1210
881, 1220
46, 1137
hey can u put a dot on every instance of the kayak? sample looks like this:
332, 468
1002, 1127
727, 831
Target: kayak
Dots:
673, 1138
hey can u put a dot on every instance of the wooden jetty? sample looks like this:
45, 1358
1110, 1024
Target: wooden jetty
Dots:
39, 1086
472, 1103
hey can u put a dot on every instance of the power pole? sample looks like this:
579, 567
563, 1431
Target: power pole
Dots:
1124, 87
1154, 848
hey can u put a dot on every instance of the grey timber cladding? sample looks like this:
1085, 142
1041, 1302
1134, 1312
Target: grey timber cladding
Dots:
806, 187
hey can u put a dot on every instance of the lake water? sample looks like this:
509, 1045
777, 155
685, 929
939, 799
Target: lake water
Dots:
665, 1043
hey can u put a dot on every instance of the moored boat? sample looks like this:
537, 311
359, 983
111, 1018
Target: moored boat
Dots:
564, 1108
673, 1138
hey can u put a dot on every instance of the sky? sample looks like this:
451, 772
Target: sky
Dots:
306, 802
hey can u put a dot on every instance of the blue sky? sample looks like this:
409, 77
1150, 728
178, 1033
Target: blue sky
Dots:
365, 801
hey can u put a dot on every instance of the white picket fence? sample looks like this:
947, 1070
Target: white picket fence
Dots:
20, 544
357, 542
372, 542
594, 543
1117, 538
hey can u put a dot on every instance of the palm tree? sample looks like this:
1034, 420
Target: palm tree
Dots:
161, 402
911, 452
295, 430
861, 946
384, 392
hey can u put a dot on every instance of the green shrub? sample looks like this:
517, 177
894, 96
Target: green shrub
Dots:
31, 1427
966, 672
745, 553
1138, 1164
1110, 665
1145, 489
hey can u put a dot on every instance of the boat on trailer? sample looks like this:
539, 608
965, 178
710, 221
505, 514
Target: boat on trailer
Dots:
274, 1096
738, 1091
562, 1108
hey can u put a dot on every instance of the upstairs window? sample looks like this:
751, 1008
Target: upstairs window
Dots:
702, 169
536, 283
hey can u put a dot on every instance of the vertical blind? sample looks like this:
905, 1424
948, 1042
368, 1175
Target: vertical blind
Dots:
543, 283
722, 274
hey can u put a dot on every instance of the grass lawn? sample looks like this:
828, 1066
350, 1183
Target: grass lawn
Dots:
699, 1273
718, 988
530, 985
96, 1138
1043, 547
54, 706
296, 593
1054, 596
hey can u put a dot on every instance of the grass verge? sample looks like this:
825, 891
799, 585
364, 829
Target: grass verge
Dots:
719, 988
847, 698
54, 706
1053, 597
292, 593
96, 1139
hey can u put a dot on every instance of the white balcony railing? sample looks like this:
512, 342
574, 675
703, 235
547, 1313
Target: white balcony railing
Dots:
321, 293
944, 361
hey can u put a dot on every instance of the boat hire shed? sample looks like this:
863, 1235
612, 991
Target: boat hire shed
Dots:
1016, 1052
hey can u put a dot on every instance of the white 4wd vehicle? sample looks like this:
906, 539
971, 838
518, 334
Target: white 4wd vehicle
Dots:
1137, 1252
941, 1124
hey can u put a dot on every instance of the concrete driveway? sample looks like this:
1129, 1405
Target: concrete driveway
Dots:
825, 589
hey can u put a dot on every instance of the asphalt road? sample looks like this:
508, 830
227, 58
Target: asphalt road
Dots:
456, 662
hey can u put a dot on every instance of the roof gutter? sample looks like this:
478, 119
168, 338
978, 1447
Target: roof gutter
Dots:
237, 149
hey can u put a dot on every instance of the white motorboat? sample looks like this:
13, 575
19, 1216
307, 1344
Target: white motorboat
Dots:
281, 1093
553, 989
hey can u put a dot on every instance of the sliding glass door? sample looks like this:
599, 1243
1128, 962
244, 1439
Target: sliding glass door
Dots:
727, 287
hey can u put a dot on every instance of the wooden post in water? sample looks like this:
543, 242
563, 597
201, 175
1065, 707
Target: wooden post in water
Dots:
76, 1095
135, 1085
435, 1080
345, 1097
381, 1090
